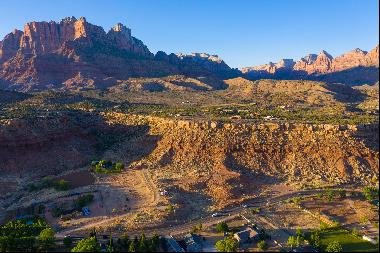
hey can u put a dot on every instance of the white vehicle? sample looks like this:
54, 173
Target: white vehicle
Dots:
215, 215
244, 206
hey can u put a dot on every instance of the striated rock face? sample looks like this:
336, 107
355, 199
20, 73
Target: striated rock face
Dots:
73, 53
346, 68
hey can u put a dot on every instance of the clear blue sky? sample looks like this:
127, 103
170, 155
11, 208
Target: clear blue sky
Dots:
242, 32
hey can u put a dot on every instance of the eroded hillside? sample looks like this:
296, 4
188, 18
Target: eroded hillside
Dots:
226, 162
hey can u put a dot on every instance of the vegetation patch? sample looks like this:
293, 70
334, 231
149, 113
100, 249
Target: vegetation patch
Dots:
349, 242
26, 234
107, 167
49, 182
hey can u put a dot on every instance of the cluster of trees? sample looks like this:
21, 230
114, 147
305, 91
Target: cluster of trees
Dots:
228, 244
123, 244
297, 240
49, 182
26, 235
107, 167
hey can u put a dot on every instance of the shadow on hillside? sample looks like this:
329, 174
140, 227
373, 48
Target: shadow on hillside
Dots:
353, 77
249, 181
9, 97
346, 94
66, 139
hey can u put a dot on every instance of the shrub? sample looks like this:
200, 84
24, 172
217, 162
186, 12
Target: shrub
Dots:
119, 167
170, 208
222, 227
61, 185
56, 212
334, 246
371, 193
82, 201
262, 245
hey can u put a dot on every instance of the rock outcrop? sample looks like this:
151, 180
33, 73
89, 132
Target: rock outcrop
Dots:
354, 67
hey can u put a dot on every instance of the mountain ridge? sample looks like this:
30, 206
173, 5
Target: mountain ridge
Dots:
75, 54
316, 66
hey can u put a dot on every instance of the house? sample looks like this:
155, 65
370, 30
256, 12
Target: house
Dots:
172, 245
246, 235
193, 243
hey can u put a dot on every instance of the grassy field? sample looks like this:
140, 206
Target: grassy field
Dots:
349, 242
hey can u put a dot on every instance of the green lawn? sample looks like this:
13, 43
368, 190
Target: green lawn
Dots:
349, 242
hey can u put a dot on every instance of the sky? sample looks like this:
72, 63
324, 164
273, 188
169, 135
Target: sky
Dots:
242, 32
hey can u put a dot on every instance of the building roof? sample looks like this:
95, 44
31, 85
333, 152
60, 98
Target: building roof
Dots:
193, 242
173, 244
246, 234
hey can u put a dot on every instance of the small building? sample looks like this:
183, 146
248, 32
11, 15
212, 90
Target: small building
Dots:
193, 243
246, 235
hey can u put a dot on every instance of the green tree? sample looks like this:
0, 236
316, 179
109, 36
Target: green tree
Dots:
329, 194
155, 242
119, 167
46, 239
296, 200
87, 245
142, 243
300, 233
371, 193
68, 241
132, 247
110, 246
222, 227
123, 243
170, 208
315, 239
262, 245
334, 246
226, 245
292, 242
